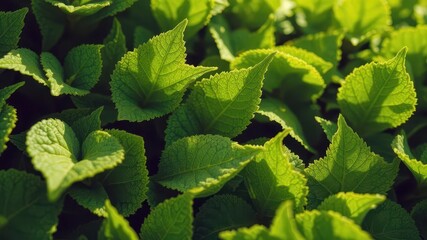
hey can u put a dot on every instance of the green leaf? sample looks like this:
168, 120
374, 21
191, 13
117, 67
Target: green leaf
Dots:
314, 15
220, 213
349, 166
219, 6
362, 19
231, 43
171, 219
116, 6
8, 120
325, 45
79, 9
125, 186
330, 128
223, 104
24, 61
256, 232
271, 179
419, 214
55, 151
11, 25
390, 221
202, 161
170, 13
115, 226
277, 111
253, 13
352, 205
284, 225
87, 124
378, 96
418, 168
25, 213
150, 81
6, 92
297, 80
325, 225
51, 22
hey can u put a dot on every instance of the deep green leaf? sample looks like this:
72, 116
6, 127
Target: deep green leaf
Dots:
330, 128
87, 124
115, 226
419, 214
77, 8
253, 13
11, 24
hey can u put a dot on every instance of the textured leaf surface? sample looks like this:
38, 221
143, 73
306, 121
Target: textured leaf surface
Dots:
231, 43
324, 225
150, 81
11, 24
223, 104
220, 213
115, 226
378, 96
171, 219
418, 168
352, 205
297, 80
79, 9
170, 13
349, 166
206, 161
55, 149
390, 221
330, 128
271, 179
25, 62
85, 125
24, 201
280, 113
362, 19
8, 119
284, 225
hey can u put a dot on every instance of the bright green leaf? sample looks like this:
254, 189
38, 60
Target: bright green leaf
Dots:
25, 213
284, 225
223, 104
352, 205
79, 9
349, 166
8, 119
361, 19
390, 221
11, 24
202, 161
55, 151
171, 219
231, 43
378, 96
170, 13
330, 128
256, 232
326, 225
220, 213
314, 15
252, 13
271, 179
87, 124
150, 81
115, 226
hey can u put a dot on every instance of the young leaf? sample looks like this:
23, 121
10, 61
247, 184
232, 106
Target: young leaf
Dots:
220, 213
324, 225
277, 111
125, 186
352, 205
51, 22
170, 13
206, 161
378, 96
25, 62
223, 104
361, 19
418, 168
256, 232
419, 214
24, 201
171, 219
11, 24
390, 221
80, 9
115, 226
232, 43
271, 179
297, 80
150, 81
253, 13
349, 166
284, 225
55, 151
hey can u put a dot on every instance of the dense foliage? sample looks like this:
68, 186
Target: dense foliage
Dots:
213, 119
